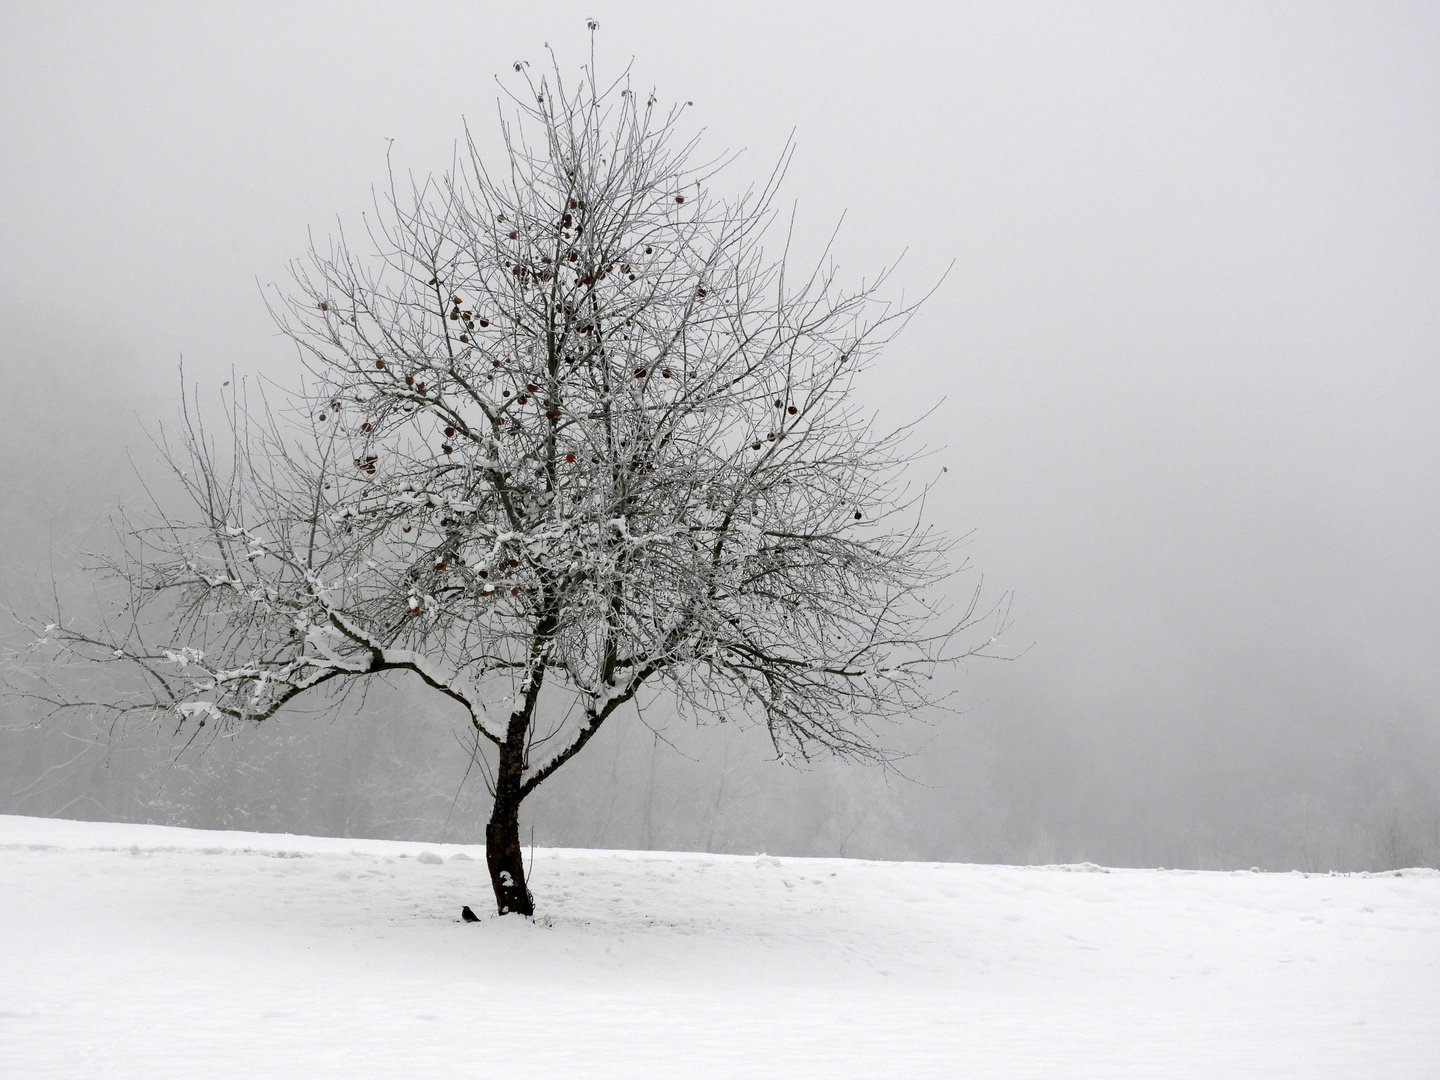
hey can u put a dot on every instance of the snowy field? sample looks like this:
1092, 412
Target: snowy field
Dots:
137, 950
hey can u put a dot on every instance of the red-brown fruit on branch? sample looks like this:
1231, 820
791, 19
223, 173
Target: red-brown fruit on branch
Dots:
380, 365
792, 410
465, 339
365, 426
410, 381
640, 373
449, 431
665, 373
679, 198
447, 448
569, 457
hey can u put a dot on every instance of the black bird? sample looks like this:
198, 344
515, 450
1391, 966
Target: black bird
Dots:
468, 915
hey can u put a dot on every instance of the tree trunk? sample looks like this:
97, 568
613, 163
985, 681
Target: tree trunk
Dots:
506, 859
502, 835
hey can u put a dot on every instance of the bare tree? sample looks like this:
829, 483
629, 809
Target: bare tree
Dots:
567, 433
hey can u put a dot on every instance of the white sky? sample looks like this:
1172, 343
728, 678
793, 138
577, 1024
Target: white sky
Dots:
1189, 350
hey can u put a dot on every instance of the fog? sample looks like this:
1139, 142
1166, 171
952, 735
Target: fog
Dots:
1182, 369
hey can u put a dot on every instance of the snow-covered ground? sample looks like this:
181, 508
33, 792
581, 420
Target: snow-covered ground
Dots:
138, 950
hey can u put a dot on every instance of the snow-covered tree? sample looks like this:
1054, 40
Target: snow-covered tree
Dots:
568, 434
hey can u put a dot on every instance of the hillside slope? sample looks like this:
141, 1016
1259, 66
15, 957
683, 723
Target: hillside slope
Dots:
136, 950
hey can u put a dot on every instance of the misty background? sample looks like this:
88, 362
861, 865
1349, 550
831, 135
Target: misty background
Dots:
1183, 376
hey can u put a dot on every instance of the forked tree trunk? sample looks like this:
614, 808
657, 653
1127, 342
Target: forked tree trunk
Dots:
502, 846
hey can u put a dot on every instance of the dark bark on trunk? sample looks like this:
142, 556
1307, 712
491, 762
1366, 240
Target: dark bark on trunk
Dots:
503, 853
506, 860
